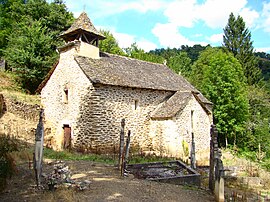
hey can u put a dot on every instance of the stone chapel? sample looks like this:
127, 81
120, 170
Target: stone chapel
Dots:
87, 94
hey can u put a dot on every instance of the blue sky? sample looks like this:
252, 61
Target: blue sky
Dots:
172, 23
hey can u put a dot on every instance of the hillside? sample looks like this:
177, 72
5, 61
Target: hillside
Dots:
19, 111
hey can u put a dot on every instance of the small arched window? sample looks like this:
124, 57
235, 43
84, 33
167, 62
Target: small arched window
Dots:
136, 104
65, 95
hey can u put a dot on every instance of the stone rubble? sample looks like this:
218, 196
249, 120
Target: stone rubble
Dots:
61, 177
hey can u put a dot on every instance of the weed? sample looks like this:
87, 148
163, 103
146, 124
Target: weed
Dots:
66, 155
7, 163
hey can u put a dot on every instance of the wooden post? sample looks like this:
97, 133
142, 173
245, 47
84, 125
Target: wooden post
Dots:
38, 154
192, 153
213, 155
219, 179
127, 151
121, 144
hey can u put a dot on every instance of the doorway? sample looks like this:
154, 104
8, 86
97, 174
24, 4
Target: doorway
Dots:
67, 137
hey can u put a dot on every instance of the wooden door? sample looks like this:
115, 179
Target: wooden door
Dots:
67, 137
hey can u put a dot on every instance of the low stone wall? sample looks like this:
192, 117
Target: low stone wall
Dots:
19, 119
21, 109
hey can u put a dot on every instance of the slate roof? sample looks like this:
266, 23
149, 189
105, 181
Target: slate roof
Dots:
174, 104
82, 23
123, 71
128, 72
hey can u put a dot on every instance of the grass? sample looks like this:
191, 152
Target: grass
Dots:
10, 89
137, 159
110, 159
8, 81
66, 155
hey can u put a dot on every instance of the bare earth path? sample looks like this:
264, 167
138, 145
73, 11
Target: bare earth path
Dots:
106, 185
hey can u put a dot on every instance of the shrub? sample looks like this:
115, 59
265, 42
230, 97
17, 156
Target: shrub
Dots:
7, 163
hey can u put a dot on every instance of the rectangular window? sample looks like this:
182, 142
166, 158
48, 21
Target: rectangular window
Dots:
66, 95
192, 120
136, 104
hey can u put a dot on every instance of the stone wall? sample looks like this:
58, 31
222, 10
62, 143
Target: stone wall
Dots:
103, 109
172, 136
94, 113
21, 109
59, 108
18, 119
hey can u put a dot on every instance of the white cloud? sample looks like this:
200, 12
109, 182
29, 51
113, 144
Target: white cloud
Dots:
215, 38
197, 35
266, 17
187, 13
249, 16
99, 8
124, 40
263, 49
181, 13
215, 13
169, 36
146, 45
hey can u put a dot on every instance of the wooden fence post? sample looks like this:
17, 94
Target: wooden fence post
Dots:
216, 170
192, 153
211, 166
38, 154
127, 151
121, 144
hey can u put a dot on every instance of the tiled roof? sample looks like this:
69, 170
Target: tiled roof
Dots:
123, 71
85, 24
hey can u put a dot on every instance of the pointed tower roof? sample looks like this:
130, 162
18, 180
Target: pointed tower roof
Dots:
82, 24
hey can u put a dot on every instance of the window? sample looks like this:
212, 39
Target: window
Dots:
192, 120
66, 95
136, 104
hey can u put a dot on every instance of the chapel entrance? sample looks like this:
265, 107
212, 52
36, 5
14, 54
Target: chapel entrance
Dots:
67, 137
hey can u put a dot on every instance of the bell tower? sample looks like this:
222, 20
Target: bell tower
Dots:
84, 35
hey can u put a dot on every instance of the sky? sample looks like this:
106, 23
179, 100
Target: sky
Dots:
171, 23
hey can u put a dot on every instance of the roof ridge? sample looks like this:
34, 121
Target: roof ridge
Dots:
83, 22
123, 56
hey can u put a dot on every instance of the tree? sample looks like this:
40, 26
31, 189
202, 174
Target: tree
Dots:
30, 36
10, 12
257, 138
221, 79
237, 40
29, 53
110, 45
135, 52
181, 64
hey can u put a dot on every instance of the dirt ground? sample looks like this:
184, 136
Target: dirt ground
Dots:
106, 185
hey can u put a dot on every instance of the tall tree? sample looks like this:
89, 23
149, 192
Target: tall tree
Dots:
30, 36
110, 44
29, 53
181, 64
237, 40
135, 52
220, 77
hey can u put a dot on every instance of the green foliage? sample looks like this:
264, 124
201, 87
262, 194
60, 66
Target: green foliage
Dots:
237, 40
110, 45
181, 64
258, 128
192, 52
66, 155
135, 52
220, 78
29, 53
7, 165
185, 148
28, 37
